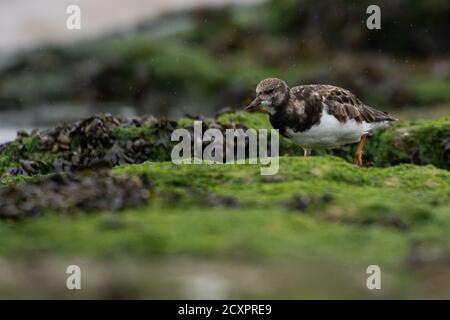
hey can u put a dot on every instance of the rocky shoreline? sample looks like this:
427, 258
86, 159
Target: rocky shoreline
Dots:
104, 141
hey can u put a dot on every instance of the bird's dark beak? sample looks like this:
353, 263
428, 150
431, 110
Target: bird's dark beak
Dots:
254, 106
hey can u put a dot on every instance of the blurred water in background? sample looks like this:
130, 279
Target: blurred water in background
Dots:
46, 116
28, 24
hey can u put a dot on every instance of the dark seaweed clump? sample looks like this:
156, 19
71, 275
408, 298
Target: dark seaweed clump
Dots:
102, 142
92, 143
68, 193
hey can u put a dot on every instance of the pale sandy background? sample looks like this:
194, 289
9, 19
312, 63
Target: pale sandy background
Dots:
25, 23
33, 23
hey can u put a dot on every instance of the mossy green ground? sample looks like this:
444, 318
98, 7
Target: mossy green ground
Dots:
317, 224
371, 216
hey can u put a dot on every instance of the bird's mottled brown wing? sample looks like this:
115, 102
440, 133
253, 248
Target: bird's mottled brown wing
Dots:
343, 104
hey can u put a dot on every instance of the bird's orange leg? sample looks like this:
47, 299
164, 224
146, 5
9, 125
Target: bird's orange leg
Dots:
359, 151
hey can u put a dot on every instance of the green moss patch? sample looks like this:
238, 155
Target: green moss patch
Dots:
316, 208
421, 142
400, 203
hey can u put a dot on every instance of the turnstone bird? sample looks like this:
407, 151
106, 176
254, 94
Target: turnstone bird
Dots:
318, 116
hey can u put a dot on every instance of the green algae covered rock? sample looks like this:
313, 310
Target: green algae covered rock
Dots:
308, 196
76, 146
419, 142
320, 209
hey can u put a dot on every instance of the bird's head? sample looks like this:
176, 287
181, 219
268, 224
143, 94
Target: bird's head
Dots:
270, 94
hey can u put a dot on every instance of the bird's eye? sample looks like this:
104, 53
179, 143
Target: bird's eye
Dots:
269, 91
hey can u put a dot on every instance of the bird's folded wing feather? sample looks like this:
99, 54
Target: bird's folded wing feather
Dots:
342, 104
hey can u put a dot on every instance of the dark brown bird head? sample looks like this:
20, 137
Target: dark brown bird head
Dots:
271, 93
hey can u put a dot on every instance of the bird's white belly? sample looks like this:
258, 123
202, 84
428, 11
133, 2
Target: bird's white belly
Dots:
330, 133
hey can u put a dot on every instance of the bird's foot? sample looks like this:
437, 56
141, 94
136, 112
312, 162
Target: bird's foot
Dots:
358, 160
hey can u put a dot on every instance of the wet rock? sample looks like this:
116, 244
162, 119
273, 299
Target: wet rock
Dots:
301, 203
26, 168
93, 132
395, 221
93, 143
65, 193
17, 171
117, 156
4, 145
22, 134
422, 255
102, 141
222, 201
